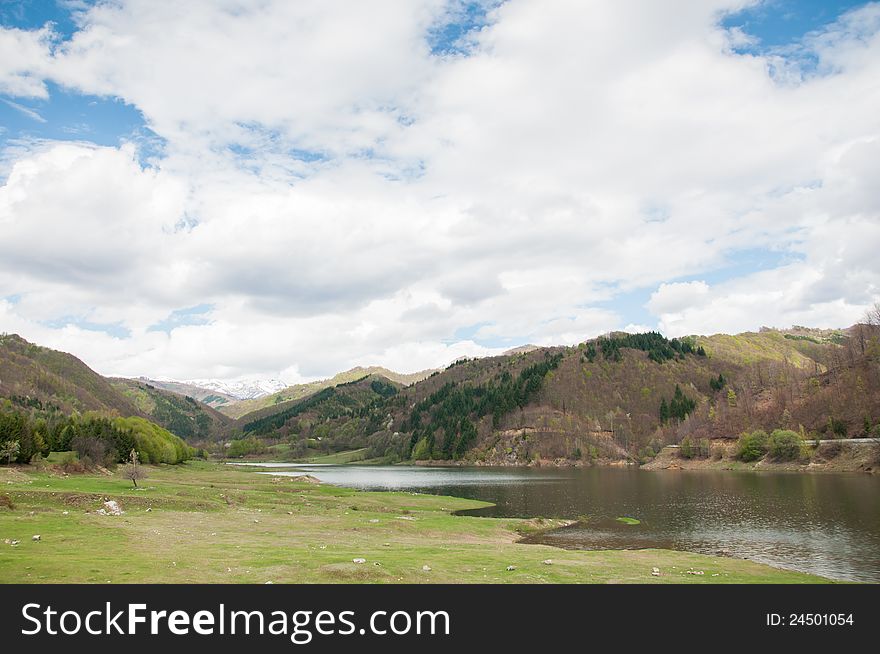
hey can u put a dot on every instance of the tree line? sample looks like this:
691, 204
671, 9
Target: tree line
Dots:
103, 440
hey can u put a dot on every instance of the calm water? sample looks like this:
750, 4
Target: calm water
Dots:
826, 524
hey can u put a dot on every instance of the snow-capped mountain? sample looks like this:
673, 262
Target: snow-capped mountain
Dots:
245, 389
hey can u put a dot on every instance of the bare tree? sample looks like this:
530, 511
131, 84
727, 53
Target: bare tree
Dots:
133, 470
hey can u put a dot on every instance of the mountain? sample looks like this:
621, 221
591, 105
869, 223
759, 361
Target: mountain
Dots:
522, 349
216, 392
615, 397
180, 414
31, 375
240, 390
34, 378
298, 391
212, 398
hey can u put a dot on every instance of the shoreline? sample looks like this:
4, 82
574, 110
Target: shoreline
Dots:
862, 459
849, 458
210, 523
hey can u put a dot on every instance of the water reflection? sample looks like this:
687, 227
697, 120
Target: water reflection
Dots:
827, 524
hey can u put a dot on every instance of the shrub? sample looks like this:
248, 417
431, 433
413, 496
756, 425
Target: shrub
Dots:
92, 451
752, 446
422, 450
154, 444
687, 450
245, 446
703, 448
718, 451
837, 427
6, 501
784, 445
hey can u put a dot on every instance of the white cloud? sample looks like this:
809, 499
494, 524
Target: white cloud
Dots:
580, 149
23, 55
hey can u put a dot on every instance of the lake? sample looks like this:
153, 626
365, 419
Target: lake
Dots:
825, 524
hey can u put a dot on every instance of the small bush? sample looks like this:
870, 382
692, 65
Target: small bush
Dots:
784, 445
6, 501
422, 450
703, 448
829, 450
718, 451
687, 450
752, 447
837, 428
71, 464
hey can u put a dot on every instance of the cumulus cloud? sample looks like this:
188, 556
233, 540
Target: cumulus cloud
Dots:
340, 195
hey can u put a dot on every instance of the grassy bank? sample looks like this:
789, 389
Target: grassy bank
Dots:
204, 522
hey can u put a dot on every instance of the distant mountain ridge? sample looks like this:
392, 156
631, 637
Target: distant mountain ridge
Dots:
613, 397
619, 396
247, 389
207, 396
41, 379
299, 391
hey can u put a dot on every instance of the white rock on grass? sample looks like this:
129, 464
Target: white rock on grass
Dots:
426, 568
358, 560
35, 537
547, 561
111, 507
510, 568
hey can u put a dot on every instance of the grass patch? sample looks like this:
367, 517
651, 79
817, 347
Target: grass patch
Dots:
629, 521
202, 522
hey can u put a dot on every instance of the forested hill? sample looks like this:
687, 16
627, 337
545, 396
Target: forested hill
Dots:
39, 376
615, 397
620, 396
299, 391
180, 414
42, 380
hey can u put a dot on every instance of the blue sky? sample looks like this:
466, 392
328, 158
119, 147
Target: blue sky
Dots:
456, 164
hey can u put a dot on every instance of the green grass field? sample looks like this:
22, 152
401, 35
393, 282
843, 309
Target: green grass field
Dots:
205, 522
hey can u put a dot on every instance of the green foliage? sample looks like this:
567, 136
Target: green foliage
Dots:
837, 427
646, 454
752, 446
717, 383
591, 352
784, 445
9, 451
181, 415
383, 388
49, 430
270, 423
153, 443
629, 521
658, 347
451, 410
678, 407
245, 446
687, 450
422, 450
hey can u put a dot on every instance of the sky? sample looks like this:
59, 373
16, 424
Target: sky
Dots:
243, 189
